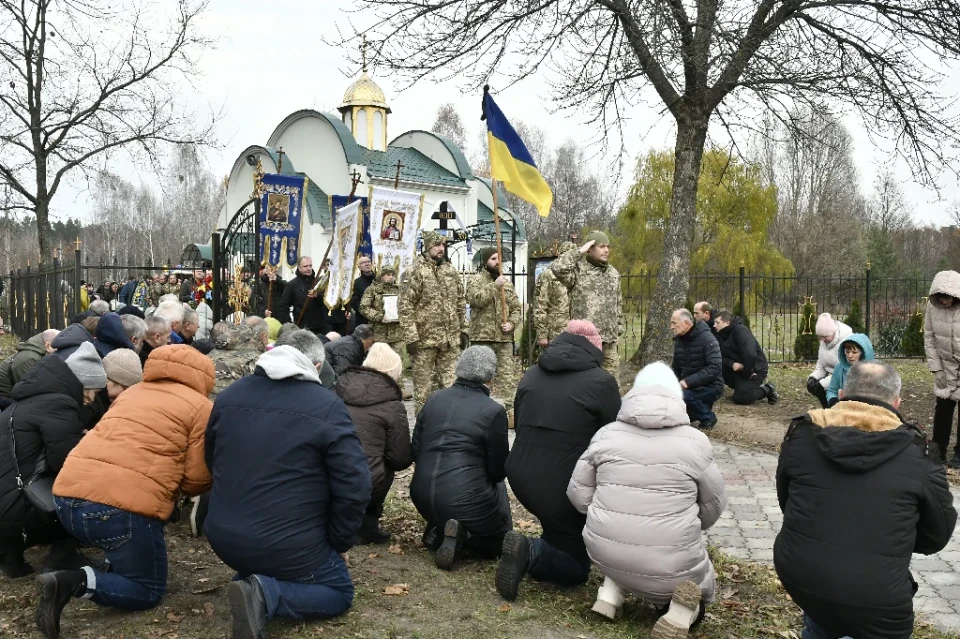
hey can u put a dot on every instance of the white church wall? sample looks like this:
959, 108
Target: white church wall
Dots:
430, 146
315, 149
240, 186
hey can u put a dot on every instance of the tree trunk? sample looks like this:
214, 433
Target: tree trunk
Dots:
674, 277
43, 229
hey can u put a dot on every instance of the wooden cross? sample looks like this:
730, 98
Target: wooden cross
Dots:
354, 181
280, 155
396, 181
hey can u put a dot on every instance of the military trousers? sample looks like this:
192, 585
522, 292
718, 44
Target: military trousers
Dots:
433, 369
508, 371
611, 360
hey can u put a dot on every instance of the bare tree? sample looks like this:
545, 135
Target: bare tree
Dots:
888, 208
449, 124
705, 60
81, 79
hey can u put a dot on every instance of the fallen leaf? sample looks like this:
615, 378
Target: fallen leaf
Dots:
397, 590
173, 617
395, 549
373, 555
505, 608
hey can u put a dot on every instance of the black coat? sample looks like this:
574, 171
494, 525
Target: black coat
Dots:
295, 296
697, 359
737, 344
46, 420
360, 286
855, 506
344, 352
460, 447
560, 405
278, 311
308, 486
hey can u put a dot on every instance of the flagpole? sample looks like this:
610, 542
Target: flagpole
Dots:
496, 228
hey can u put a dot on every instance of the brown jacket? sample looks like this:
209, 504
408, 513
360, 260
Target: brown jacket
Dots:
149, 445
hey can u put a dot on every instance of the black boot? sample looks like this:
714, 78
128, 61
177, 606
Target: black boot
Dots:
65, 555
514, 563
375, 536
772, 395
12, 563
431, 538
248, 609
56, 590
454, 536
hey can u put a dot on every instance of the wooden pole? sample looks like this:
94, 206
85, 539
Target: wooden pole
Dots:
496, 228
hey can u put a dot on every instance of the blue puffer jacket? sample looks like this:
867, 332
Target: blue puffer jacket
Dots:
843, 366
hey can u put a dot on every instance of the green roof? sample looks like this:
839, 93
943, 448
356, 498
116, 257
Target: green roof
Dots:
416, 167
351, 149
484, 227
463, 167
318, 204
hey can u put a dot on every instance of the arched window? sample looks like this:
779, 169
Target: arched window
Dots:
378, 131
361, 133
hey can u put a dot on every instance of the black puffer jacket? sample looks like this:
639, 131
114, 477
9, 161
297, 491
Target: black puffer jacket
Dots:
46, 420
344, 352
295, 296
274, 298
375, 404
460, 446
560, 405
696, 358
69, 340
860, 492
737, 344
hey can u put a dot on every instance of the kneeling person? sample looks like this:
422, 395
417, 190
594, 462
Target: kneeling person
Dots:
744, 364
285, 523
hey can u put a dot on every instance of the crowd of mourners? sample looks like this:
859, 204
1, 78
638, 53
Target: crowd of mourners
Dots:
280, 445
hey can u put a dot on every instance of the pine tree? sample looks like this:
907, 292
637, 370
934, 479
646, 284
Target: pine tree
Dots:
807, 345
855, 318
912, 344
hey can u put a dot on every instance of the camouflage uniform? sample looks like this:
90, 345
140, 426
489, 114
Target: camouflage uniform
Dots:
486, 319
155, 291
551, 311
595, 295
432, 316
371, 307
235, 356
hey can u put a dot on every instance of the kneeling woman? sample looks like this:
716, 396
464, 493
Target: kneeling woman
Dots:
117, 488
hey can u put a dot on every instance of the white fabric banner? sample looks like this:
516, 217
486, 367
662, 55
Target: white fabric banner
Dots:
343, 254
394, 222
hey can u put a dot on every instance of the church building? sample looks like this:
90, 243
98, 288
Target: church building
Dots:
330, 149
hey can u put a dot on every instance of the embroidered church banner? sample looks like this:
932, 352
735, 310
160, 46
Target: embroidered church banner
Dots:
281, 214
394, 222
337, 202
347, 230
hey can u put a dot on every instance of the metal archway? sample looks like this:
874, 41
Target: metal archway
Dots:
236, 254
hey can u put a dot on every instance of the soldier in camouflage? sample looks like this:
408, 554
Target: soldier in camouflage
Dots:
157, 289
236, 349
432, 313
595, 293
551, 310
371, 308
487, 326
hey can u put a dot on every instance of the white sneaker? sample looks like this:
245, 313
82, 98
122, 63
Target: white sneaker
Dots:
609, 599
684, 608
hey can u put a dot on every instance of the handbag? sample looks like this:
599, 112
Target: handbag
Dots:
38, 490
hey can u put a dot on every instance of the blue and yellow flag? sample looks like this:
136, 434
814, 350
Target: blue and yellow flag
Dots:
510, 162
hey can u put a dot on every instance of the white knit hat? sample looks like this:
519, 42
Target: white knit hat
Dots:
659, 374
382, 358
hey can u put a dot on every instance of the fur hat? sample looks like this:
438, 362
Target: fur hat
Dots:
599, 237
586, 329
659, 374
477, 364
382, 358
826, 326
87, 366
123, 367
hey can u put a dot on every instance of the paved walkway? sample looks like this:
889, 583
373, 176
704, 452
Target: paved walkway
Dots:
752, 519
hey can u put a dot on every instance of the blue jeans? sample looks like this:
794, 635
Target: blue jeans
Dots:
700, 402
549, 564
812, 630
134, 546
325, 592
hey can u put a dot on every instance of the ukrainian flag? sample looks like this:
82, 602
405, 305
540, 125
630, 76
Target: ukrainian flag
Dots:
510, 162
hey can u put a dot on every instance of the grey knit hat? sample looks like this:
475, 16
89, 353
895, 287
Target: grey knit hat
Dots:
477, 364
86, 365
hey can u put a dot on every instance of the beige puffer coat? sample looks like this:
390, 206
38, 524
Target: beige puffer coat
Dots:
649, 485
941, 336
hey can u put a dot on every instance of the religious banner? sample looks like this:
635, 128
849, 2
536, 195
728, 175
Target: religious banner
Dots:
343, 254
281, 213
337, 202
394, 224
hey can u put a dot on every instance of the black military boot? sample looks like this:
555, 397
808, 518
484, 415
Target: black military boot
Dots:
248, 607
454, 537
56, 590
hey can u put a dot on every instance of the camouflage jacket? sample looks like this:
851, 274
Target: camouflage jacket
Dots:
154, 292
234, 356
486, 316
371, 307
595, 293
552, 310
432, 307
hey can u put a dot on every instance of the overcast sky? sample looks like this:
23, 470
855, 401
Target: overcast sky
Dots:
270, 60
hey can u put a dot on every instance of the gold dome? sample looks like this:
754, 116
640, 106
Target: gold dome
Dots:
364, 92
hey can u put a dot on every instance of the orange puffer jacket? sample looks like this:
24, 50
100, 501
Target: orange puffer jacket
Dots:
149, 445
